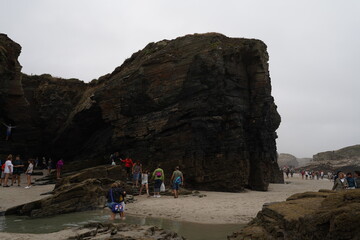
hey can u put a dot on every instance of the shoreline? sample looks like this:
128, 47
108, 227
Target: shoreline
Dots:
206, 208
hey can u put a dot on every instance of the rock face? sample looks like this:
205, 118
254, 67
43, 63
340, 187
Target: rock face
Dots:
310, 215
289, 160
202, 102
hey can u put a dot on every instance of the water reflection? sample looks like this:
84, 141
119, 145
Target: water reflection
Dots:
191, 231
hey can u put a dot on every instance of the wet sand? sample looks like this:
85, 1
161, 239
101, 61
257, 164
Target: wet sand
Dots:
14, 195
222, 208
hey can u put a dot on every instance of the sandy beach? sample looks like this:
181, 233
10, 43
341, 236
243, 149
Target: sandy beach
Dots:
15, 195
219, 207
213, 208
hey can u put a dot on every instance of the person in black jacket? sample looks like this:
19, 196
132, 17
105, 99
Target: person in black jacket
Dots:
115, 199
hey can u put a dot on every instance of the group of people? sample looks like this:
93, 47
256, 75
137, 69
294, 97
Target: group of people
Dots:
309, 174
12, 168
116, 195
342, 181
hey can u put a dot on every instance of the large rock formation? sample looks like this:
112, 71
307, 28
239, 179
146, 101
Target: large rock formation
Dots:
202, 102
311, 215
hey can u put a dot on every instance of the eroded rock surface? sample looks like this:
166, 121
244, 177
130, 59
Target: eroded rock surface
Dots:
83, 191
311, 215
201, 101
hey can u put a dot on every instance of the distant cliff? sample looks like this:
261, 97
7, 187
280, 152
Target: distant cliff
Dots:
201, 101
350, 153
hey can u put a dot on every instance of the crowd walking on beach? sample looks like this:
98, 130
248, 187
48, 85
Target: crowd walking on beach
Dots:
341, 180
140, 178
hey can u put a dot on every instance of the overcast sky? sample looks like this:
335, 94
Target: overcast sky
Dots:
314, 49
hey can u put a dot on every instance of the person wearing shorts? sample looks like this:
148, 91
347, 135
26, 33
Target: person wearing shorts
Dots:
29, 172
158, 176
177, 178
18, 170
8, 169
116, 195
145, 182
136, 170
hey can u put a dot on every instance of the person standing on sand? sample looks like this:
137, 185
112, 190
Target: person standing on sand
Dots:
177, 179
302, 174
116, 195
340, 183
158, 176
29, 172
2, 165
350, 180
136, 171
49, 166
357, 179
18, 170
59, 166
145, 182
8, 169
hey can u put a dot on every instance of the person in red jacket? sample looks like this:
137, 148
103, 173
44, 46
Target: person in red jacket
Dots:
128, 165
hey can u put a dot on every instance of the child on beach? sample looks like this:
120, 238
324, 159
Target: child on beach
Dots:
145, 182
29, 172
115, 201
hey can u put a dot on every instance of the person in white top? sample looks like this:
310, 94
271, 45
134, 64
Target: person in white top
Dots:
29, 172
145, 182
8, 169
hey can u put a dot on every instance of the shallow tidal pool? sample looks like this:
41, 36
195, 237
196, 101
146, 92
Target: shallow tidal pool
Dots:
189, 230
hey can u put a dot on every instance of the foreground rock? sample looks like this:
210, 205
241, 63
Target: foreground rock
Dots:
201, 101
311, 215
102, 231
83, 191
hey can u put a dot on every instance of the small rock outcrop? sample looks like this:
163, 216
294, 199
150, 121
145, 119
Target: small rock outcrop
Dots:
285, 159
83, 191
201, 101
311, 215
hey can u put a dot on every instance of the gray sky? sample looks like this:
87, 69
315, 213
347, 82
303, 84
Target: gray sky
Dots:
314, 49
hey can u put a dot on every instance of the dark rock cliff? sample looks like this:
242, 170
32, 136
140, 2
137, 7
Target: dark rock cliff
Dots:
201, 101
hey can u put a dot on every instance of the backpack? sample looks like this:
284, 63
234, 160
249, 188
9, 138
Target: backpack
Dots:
178, 180
158, 174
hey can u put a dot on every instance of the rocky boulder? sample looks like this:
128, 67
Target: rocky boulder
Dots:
311, 215
201, 101
83, 191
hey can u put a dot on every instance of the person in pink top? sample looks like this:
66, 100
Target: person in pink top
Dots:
59, 166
